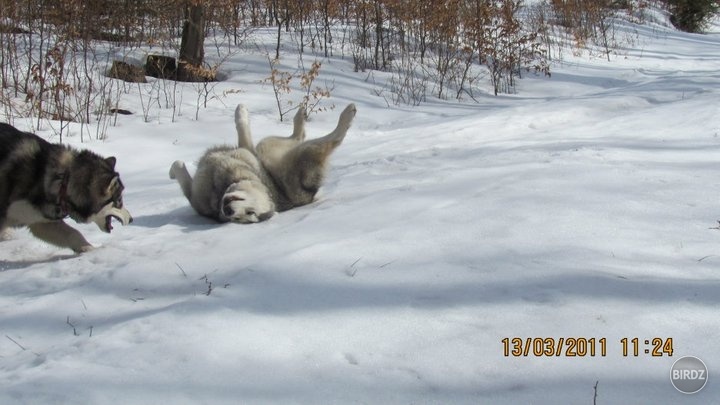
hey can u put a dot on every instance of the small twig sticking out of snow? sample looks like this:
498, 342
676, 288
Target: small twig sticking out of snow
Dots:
386, 264
72, 326
21, 346
208, 283
351, 271
595, 395
75, 332
706, 257
15, 341
182, 270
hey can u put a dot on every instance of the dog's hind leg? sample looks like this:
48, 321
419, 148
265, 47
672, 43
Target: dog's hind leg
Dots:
179, 172
301, 171
299, 124
321, 148
336, 137
242, 125
61, 234
272, 150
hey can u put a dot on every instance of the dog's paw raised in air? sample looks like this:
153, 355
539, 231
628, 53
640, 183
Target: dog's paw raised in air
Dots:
177, 165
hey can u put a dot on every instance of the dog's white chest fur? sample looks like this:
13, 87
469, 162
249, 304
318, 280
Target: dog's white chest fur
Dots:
21, 213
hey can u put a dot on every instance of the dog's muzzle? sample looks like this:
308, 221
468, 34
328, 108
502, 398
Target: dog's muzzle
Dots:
103, 219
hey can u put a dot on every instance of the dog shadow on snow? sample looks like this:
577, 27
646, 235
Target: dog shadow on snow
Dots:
184, 217
189, 221
7, 265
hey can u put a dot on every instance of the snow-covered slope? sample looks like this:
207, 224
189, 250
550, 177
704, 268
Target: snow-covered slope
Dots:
583, 207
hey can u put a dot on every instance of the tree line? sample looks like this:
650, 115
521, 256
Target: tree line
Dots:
50, 53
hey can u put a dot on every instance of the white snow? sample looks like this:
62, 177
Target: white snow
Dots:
583, 207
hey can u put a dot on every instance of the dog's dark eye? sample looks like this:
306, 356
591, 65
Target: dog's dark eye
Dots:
116, 202
117, 189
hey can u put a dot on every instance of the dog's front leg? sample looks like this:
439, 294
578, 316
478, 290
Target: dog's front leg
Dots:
242, 125
179, 172
61, 234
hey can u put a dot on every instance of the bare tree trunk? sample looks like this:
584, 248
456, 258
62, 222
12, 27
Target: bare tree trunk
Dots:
378, 34
193, 34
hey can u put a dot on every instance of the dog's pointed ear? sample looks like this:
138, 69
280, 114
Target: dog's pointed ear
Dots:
111, 161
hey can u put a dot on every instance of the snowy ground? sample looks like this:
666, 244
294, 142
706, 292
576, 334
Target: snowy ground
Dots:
581, 207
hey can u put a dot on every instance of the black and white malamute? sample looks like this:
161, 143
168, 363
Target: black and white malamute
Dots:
42, 183
247, 184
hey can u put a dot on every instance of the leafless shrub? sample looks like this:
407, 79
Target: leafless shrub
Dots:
409, 84
281, 82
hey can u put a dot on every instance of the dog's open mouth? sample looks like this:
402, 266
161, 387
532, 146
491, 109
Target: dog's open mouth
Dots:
103, 219
108, 222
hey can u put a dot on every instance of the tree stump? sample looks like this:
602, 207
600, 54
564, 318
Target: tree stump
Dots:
166, 67
161, 66
127, 72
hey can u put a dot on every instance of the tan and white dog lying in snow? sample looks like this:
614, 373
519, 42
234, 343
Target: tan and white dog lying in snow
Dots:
247, 184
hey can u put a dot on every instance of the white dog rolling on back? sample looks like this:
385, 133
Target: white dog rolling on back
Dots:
246, 185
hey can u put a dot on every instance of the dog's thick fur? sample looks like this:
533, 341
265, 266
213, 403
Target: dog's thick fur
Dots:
43, 183
247, 184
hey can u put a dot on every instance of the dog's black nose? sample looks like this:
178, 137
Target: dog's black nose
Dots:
265, 216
